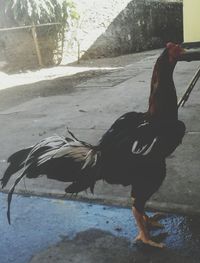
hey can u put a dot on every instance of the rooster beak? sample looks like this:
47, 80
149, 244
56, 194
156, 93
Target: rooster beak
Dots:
189, 54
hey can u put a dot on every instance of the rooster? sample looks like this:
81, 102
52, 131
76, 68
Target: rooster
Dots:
132, 152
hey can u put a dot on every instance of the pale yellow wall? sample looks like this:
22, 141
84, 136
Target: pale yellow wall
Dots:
191, 18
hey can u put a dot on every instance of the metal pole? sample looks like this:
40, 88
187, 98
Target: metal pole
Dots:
191, 85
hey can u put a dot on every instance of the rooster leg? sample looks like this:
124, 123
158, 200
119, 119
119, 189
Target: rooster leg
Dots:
144, 235
152, 222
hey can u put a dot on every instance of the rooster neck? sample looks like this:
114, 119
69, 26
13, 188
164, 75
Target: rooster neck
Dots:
163, 98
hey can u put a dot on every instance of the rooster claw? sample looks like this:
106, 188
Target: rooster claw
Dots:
149, 242
158, 216
152, 222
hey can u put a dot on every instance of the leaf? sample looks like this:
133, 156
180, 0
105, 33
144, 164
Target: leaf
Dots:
42, 11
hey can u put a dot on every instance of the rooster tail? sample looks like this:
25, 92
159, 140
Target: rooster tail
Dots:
16, 163
62, 159
91, 158
90, 173
10, 193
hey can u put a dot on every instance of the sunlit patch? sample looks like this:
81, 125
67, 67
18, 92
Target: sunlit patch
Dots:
18, 79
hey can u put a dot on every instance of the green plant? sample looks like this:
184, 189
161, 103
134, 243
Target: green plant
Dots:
37, 12
26, 12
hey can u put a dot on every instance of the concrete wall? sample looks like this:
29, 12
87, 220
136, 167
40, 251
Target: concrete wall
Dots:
106, 29
17, 50
141, 25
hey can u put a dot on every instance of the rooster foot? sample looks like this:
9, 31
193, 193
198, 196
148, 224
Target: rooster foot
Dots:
159, 215
149, 242
152, 222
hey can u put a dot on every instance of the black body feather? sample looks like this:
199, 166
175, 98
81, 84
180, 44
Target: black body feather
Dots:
132, 152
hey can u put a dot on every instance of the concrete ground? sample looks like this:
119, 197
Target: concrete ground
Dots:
53, 230
88, 107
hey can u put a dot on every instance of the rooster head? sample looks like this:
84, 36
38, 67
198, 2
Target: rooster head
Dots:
175, 51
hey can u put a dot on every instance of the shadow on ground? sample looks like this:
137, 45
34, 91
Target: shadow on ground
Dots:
100, 246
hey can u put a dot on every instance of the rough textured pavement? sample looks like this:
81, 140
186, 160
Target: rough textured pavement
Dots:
88, 110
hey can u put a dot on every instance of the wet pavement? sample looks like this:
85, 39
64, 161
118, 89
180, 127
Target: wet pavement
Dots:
53, 230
